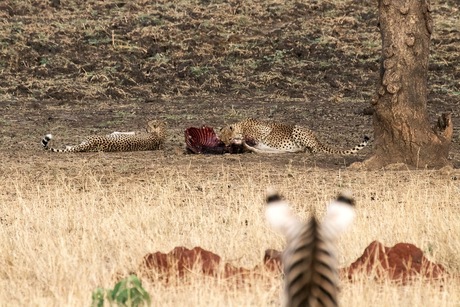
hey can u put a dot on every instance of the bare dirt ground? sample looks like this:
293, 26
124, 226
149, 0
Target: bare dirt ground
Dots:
76, 69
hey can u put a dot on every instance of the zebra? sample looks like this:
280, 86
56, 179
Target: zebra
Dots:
309, 260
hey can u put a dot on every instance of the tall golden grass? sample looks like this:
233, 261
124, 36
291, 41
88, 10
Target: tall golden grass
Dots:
65, 232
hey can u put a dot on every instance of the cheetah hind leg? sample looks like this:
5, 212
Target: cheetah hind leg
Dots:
121, 133
261, 148
310, 142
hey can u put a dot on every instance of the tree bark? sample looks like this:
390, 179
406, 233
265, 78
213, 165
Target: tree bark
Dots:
401, 128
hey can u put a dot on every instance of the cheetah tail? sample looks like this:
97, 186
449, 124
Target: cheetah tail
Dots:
363, 144
46, 139
354, 150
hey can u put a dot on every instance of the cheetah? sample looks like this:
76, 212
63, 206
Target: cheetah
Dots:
152, 139
271, 137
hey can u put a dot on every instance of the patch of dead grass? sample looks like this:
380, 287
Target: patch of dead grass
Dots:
66, 232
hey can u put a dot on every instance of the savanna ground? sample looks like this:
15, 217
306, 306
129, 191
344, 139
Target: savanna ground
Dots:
71, 223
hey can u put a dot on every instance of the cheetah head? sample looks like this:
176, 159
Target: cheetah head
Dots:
156, 126
231, 134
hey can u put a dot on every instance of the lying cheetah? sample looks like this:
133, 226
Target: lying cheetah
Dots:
270, 137
118, 141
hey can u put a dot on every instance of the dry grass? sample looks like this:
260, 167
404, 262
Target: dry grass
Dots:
69, 224
65, 233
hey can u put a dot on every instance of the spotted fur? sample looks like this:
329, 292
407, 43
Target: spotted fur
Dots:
152, 139
273, 137
309, 260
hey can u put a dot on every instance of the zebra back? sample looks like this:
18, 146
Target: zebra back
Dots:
310, 268
309, 260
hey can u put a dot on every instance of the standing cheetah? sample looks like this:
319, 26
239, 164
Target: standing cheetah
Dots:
272, 137
118, 141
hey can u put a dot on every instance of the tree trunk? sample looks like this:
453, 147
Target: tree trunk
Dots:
401, 128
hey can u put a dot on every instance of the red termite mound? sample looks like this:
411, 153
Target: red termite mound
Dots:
402, 262
181, 261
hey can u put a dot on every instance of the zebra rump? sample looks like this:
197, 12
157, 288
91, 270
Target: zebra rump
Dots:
310, 268
309, 261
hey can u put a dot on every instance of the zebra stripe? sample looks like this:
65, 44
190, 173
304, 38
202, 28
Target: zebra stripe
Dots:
310, 269
309, 260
